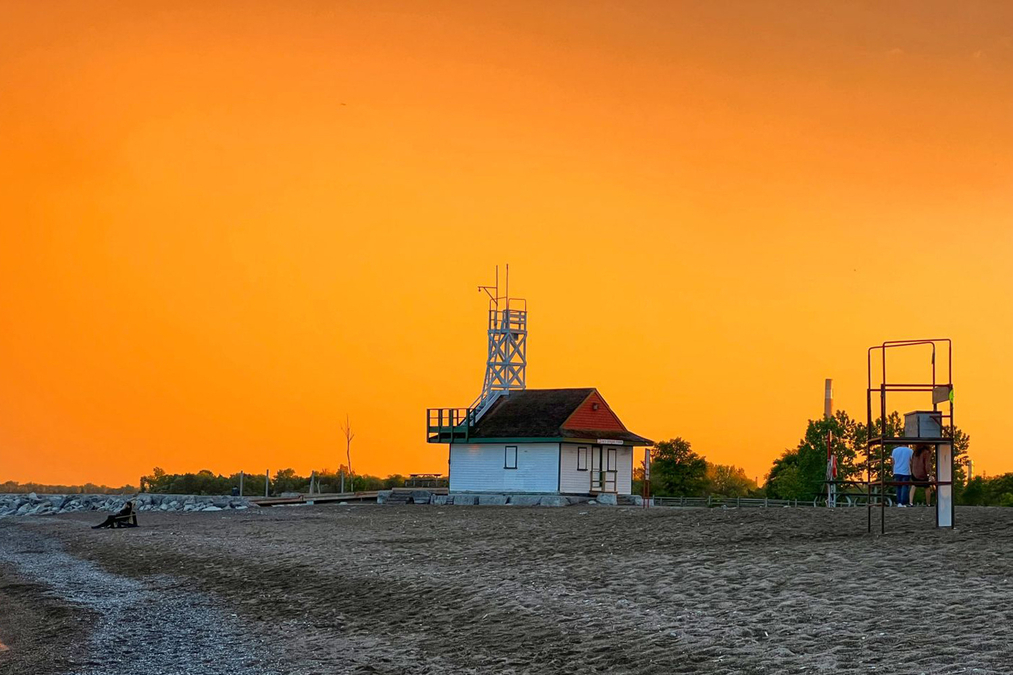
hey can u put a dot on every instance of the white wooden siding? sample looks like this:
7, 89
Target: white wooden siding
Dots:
572, 481
624, 472
478, 467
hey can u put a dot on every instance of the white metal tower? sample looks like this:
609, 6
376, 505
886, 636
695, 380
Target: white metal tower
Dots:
507, 357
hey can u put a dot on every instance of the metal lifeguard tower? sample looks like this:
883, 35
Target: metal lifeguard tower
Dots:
933, 426
507, 360
505, 366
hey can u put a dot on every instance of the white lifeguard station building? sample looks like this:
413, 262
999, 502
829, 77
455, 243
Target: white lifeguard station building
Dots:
518, 440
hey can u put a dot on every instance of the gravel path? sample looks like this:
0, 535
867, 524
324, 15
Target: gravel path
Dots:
150, 626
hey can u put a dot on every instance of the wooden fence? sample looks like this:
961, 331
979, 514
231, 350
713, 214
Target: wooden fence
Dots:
762, 502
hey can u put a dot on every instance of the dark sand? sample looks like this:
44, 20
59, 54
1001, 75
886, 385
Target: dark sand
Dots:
423, 589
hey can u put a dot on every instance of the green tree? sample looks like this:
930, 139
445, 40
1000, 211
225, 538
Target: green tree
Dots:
801, 473
974, 492
890, 427
787, 480
677, 471
961, 447
286, 480
994, 491
894, 427
205, 482
728, 481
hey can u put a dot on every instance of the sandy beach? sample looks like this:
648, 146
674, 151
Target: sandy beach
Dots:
374, 589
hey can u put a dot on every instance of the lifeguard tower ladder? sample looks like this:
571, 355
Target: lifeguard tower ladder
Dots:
505, 367
933, 427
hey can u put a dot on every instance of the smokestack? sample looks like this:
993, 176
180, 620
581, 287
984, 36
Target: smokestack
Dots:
828, 400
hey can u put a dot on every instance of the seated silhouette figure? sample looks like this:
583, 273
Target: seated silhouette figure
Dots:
125, 517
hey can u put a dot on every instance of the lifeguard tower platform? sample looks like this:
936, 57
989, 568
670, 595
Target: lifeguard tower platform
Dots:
932, 426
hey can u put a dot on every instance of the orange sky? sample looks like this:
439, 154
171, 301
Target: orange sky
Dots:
225, 225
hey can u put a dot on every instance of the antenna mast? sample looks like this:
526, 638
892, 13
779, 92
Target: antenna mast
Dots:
507, 355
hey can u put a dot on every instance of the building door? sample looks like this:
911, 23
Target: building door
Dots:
611, 468
604, 465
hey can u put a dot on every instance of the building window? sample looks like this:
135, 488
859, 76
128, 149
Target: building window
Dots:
582, 458
611, 460
510, 457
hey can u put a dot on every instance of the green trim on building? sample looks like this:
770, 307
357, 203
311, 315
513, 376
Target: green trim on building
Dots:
474, 440
585, 441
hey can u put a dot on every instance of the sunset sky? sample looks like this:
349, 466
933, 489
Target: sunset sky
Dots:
225, 225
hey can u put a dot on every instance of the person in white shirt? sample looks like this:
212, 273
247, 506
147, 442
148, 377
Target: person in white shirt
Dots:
902, 473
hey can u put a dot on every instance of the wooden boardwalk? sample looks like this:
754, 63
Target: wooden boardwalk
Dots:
332, 497
325, 498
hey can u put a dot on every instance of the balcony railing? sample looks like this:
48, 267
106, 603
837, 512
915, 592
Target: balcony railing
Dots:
449, 425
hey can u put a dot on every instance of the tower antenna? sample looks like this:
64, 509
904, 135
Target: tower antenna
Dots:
507, 352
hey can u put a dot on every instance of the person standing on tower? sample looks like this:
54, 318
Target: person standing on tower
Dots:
921, 468
902, 473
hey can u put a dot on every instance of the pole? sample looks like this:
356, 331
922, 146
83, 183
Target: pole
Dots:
241, 477
828, 414
267, 481
882, 451
348, 451
647, 478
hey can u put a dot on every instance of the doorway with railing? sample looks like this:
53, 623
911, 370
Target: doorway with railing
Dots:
604, 463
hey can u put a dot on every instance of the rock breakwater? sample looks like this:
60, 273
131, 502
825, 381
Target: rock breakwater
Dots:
45, 505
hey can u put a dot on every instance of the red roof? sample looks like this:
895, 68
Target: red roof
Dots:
554, 413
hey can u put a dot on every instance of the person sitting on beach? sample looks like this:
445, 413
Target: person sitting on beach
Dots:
902, 473
921, 465
110, 521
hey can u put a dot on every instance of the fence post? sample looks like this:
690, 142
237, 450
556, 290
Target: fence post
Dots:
267, 481
241, 477
342, 482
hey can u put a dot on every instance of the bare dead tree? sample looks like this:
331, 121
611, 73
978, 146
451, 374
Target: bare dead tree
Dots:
347, 429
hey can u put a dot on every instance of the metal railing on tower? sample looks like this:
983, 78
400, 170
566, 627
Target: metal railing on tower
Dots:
507, 349
505, 365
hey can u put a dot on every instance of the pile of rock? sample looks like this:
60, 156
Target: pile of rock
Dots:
484, 499
45, 505
149, 502
504, 500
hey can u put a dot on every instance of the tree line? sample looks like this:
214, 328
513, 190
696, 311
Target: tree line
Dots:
800, 472
14, 487
993, 491
205, 482
678, 471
